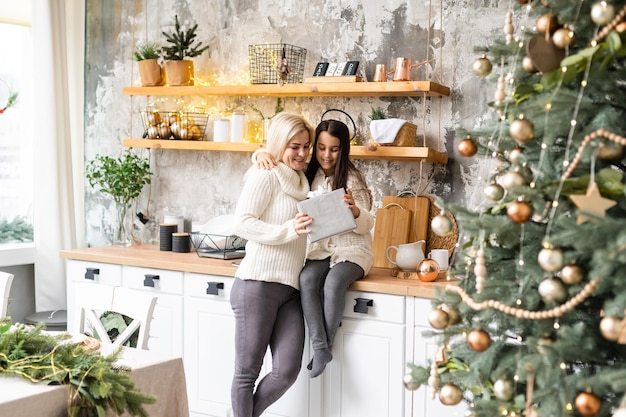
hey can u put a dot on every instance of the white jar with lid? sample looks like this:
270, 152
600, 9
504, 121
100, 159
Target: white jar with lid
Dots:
220, 130
237, 128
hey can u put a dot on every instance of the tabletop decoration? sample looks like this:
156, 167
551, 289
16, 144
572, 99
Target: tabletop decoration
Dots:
96, 383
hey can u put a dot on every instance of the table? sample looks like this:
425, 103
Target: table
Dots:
152, 372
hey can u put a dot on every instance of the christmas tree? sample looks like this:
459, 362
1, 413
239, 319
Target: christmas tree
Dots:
536, 325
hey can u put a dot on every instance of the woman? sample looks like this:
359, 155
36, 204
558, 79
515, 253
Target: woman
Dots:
334, 263
265, 296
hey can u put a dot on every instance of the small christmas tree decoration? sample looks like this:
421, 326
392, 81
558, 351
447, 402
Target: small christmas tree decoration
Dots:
592, 206
602, 13
545, 55
479, 340
547, 23
503, 389
528, 65
494, 192
438, 319
482, 66
428, 270
441, 225
572, 274
467, 147
522, 130
433, 379
552, 290
516, 156
587, 404
550, 259
511, 179
453, 313
450, 394
500, 94
564, 37
610, 327
409, 383
480, 270
519, 211
610, 151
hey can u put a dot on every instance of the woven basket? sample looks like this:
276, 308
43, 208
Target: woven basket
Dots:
406, 136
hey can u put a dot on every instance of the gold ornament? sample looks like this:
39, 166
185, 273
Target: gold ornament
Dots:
516, 156
154, 118
438, 319
550, 259
482, 66
572, 274
588, 404
564, 37
152, 132
453, 313
164, 131
450, 394
467, 147
602, 13
428, 270
610, 328
441, 225
545, 56
519, 211
552, 290
528, 65
479, 340
494, 192
610, 151
592, 206
503, 389
512, 179
409, 383
522, 130
196, 133
547, 23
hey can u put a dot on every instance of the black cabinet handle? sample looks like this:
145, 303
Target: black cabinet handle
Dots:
148, 281
91, 272
362, 305
213, 288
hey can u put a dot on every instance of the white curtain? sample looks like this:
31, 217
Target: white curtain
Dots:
58, 36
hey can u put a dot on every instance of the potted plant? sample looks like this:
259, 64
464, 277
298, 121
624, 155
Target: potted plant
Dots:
178, 70
123, 179
147, 56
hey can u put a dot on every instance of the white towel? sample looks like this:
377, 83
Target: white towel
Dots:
385, 131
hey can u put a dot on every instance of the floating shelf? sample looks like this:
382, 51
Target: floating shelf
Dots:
390, 153
312, 89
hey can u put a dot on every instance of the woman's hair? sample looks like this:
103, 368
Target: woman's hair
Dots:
344, 165
283, 127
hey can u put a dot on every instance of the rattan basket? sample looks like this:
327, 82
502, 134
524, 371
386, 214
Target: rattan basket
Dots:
263, 60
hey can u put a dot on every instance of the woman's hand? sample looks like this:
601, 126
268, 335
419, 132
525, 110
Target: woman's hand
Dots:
349, 200
301, 223
265, 161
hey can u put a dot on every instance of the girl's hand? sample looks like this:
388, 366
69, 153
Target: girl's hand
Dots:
301, 222
265, 161
349, 200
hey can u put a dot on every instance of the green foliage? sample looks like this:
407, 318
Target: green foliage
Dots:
123, 178
148, 50
182, 43
378, 114
279, 107
95, 382
15, 230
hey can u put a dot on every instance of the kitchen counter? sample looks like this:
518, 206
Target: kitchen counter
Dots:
149, 256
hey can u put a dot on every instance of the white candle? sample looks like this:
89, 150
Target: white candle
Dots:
237, 127
220, 130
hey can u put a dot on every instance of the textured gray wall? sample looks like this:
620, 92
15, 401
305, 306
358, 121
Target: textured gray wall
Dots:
201, 185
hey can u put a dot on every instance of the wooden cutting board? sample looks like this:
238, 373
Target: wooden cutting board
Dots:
420, 210
392, 228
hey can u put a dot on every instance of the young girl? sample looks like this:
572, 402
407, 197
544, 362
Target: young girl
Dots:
265, 296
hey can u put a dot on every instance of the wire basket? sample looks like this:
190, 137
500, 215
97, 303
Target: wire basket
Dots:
174, 125
218, 246
264, 59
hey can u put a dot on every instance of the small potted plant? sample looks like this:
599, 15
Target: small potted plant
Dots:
123, 179
147, 56
178, 70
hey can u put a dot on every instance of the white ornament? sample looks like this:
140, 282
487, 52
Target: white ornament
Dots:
552, 289
602, 13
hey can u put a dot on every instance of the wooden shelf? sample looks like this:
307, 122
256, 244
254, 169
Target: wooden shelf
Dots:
312, 89
390, 153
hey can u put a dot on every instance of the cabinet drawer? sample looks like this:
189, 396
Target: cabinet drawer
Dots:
214, 287
374, 306
157, 280
96, 272
423, 307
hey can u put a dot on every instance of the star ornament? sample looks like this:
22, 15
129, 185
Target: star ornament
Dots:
592, 205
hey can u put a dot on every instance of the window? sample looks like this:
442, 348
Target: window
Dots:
17, 122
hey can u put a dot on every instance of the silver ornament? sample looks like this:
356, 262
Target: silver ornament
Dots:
511, 179
503, 389
494, 192
441, 225
550, 259
602, 13
552, 290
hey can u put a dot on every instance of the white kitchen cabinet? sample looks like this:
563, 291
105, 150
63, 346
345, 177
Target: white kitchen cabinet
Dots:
166, 332
425, 349
364, 379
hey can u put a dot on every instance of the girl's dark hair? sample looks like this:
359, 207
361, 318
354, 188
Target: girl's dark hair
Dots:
344, 165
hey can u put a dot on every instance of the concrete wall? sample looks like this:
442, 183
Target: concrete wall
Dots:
201, 185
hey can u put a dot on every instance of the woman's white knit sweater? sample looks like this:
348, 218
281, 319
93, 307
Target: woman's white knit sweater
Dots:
264, 216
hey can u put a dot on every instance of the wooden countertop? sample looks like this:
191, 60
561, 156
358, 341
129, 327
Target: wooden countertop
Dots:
149, 256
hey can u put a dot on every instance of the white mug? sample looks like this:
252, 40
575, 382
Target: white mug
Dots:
441, 257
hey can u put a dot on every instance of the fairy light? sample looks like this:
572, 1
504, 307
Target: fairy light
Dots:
583, 83
518, 302
573, 123
569, 407
563, 366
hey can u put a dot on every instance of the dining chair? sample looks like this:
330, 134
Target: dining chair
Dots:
6, 280
92, 300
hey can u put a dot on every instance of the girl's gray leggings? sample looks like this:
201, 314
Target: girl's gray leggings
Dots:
267, 314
